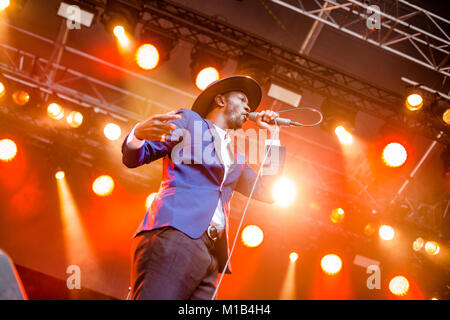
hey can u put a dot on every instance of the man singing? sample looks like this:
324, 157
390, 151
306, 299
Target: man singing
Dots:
182, 243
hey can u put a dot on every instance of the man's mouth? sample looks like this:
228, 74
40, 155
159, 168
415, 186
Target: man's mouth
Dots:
245, 116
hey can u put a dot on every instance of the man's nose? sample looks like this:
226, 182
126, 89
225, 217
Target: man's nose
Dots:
247, 108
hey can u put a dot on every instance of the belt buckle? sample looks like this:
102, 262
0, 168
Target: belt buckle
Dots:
212, 233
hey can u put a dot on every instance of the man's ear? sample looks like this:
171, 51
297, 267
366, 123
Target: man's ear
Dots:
219, 100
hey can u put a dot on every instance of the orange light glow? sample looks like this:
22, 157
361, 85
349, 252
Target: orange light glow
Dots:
293, 256
112, 131
344, 136
206, 76
399, 285
386, 232
252, 236
337, 215
147, 57
8, 150
4, 4
414, 102
394, 155
55, 111
75, 119
103, 186
284, 192
21, 97
331, 264
432, 248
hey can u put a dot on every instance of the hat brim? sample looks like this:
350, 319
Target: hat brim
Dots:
202, 105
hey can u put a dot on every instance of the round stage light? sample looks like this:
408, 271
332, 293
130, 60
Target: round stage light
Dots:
55, 111
331, 264
60, 175
147, 56
205, 77
119, 31
8, 150
418, 244
394, 155
112, 131
386, 232
2, 90
432, 248
284, 192
103, 186
4, 4
399, 285
414, 102
75, 119
344, 136
337, 215
446, 116
122, 37
293, 256
252, 236
21, 97
149, 200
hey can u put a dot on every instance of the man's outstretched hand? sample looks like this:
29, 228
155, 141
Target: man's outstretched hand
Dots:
157, 127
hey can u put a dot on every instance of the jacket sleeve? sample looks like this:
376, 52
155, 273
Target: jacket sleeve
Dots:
272, 171
153, 150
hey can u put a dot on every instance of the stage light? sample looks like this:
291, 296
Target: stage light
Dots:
60, 175
147, 56
386, 232
55, 111
331, 264
284, 192
4, 4
394, 155
205, 66
112, 131
75, 119
252, 236
432, 248
338, 119
414, 101
103, 186
418, 244
369, 229
2, 90
21, 97
446, 116
344, 136
8, 150
337, 215
206, 76
120, 14
121, 36
149, 200
293, 256
399, 285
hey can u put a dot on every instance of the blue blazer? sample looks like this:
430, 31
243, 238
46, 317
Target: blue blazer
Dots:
192, 180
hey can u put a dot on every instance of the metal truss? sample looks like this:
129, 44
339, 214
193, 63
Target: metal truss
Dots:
190, 26
393, 25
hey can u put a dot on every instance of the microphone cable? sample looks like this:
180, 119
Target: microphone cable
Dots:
253, 189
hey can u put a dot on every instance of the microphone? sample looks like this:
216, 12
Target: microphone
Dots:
280, 121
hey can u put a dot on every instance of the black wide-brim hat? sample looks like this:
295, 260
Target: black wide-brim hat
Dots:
203, 104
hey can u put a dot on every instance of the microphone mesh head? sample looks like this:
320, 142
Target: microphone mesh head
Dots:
252, 116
